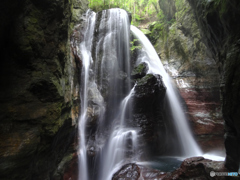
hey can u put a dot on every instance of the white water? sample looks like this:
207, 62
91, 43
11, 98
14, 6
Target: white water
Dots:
213, 157
115, 153
121, 145
190, 147
97, 74
122, 142
85, 51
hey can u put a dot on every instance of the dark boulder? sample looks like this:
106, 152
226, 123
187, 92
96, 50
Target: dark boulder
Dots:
149, 87
148, 112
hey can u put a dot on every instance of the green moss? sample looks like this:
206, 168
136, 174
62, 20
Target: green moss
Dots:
139, 71
144, 80
223, 7
146, 31
53, 121
140, 68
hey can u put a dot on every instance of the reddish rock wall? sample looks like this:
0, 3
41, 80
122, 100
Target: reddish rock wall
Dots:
195, 73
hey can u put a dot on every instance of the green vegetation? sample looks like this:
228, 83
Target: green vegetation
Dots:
160, 28
140, 9
134, 46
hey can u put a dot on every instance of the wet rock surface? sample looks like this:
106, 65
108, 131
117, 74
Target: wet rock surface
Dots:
39, 87
192, 168
197, 168
189, 62
137, 172
139, 71
129, 171
204, 112
148, 111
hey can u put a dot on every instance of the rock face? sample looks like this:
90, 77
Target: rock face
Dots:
39, 86
189, 62
168, 8
191, 168
148, 112
129, 171
137, 172
139, 71
221, 31
197, 168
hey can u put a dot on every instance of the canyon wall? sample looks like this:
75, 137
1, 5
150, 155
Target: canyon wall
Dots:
39, 96
220, 28
189, 62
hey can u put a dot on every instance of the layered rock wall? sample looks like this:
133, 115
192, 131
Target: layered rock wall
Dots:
219, 24
187, 59
39, 86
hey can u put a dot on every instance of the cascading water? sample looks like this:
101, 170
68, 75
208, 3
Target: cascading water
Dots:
105, 82
189, 146
112, 71
85, 53
106, 96
116, 148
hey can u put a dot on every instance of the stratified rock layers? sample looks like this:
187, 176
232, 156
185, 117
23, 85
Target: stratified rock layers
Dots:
220, 28
189, 62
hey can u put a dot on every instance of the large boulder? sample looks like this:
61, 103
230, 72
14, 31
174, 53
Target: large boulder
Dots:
148, 112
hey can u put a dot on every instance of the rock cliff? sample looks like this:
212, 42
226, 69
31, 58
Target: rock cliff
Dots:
218, 21
39, 86
186, 58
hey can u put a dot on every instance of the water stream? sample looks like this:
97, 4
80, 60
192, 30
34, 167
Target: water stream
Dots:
189, 145
106, 93
85, 51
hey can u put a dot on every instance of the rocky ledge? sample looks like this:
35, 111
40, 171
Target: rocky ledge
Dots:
192, 168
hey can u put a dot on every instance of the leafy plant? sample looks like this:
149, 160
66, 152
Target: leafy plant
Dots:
133, 46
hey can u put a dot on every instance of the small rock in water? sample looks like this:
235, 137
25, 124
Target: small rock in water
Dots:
128, 171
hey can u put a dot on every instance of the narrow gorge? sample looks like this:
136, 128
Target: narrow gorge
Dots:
87, 96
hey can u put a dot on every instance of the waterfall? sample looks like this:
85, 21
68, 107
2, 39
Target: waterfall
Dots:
189, 146
84, 51
108, 137
112, 74
117, 147
105, 94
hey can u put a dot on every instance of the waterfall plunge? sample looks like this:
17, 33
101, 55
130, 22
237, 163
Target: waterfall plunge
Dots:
189, 146
84, 51
105, 82
106, 91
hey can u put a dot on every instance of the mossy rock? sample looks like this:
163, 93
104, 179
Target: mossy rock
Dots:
139, 71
